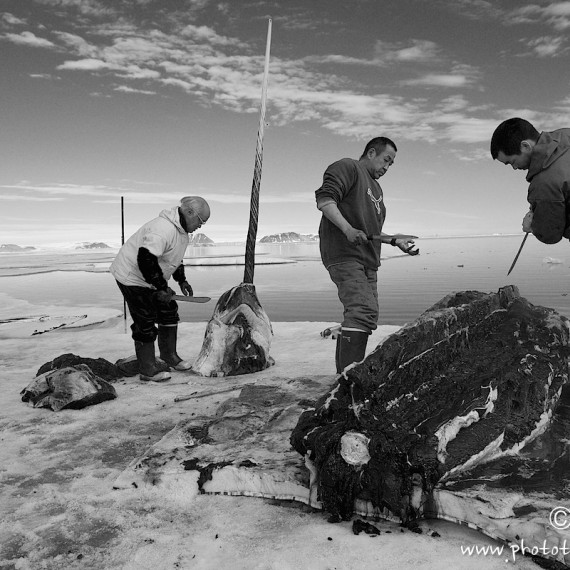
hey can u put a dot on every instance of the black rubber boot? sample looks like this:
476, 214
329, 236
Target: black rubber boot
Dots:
148, 370
167, 335
352, 348
337, 354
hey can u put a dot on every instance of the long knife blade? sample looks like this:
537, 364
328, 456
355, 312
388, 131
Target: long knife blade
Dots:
517, 255
389, 237
189, 299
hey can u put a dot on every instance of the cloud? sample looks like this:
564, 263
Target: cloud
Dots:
439, 80
208, 35
474, 9
112, 194
18, 197
386, 54
454, 103
547, 46
416, 51
470, 129
12, 20
217, 69
91, 8
125, 89
76, 44
29, 39
460, 76
85, 65
556, 14
40, 76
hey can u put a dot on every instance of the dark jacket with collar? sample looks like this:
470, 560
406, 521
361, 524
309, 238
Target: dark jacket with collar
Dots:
549, 189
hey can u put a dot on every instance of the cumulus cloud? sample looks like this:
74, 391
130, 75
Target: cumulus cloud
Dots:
85, 65
387, 53
556, 14
547, 46
29, 39
217, 69
12, 20
207, 34
76, 44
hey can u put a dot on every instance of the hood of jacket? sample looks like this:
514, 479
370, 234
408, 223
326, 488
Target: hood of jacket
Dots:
173, 216
548, 149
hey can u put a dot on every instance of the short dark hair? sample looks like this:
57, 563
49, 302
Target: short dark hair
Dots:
509, 134
378, 144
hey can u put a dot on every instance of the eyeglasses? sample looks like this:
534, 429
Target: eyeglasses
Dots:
202, 222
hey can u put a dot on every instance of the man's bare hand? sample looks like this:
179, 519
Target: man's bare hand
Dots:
356, 237
407, 246
527, 222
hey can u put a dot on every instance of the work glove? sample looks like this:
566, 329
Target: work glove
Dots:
164, 295
186, 288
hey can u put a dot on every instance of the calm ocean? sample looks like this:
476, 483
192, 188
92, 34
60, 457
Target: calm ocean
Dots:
301, 290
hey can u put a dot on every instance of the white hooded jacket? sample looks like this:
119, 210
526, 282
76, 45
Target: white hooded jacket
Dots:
164, 237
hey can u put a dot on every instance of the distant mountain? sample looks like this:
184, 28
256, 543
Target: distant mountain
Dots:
93, 245
200, 239
12, 247
288, 237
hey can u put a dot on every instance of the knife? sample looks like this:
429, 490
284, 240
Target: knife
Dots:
517, 255
190, 299
389, 237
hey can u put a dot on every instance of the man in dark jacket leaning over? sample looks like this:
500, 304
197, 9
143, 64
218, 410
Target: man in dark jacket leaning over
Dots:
142, 268
352, 204
546, 156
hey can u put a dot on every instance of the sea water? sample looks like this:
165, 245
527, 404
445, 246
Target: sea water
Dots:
293, 285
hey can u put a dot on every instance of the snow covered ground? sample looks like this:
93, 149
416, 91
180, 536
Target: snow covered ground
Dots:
58, 509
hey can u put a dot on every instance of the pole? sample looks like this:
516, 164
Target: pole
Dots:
123, 243
254, 203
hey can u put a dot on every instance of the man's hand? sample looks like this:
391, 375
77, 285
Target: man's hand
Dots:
164, 296
186, 289
355, 237
527, 222
407, 246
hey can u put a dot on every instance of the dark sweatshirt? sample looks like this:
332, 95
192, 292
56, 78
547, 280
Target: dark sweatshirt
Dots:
549, 190
360, 200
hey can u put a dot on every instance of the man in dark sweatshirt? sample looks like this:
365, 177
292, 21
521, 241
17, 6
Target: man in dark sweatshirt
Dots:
352, 204
546, 156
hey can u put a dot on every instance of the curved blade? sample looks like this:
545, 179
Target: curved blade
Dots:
517, 255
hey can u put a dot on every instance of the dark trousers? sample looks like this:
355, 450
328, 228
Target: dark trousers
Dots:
357, 287
147, 312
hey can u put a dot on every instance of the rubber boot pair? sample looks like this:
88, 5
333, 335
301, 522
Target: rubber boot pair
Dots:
350, 347
149, 368
167, 335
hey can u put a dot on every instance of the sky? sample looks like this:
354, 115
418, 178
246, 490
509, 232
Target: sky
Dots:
152, 100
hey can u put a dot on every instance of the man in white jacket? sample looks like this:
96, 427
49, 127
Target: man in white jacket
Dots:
142, 268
